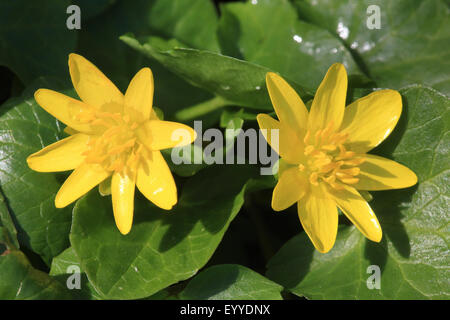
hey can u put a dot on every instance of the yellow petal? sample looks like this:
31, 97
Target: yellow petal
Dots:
64, 108
329, 102
139, 95
358, 212
158, 135
104, 188
290, 188
155, 181
319, 217
63, 155
82, 179
92, 86
378, 173
288, 106
283, 166
122, 190
369, 120
289, 146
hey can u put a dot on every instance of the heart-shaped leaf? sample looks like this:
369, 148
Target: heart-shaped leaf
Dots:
413, 256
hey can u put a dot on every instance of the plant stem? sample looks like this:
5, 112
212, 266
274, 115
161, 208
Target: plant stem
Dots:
201, 109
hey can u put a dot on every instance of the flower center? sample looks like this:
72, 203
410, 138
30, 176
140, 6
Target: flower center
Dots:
116, 146
326, 158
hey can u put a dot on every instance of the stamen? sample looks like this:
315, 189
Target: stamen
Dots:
313, 178
350, 180
100, 122
354, 162
328, 160
317, 137
116, 148
327, 131
352, 171
322, 162
329, 147
342, 175
111, 131
306, 138
308, 150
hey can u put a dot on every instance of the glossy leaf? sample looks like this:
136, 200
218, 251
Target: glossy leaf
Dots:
235, 80
412, 44
39, 48
193, 22
63, 267
412, 255
8, 232
162, 247
230, 282
24, 129
274, 37
20, 281
98, 42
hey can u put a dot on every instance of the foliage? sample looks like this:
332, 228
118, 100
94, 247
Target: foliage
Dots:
222, 240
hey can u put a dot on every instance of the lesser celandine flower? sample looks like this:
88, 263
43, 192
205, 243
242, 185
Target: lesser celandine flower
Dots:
324, 161
115, 141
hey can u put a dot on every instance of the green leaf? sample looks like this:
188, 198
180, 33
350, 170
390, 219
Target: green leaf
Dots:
162, 247
99, 43
24, 129
59, 270
90, 9
231, 282
235, 80
20, 281
269, 33
413, 255
411, 46
193, 22
34, 39
8, 232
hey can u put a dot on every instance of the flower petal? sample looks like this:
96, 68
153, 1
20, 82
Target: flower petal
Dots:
288, 106
319, 217
158, 135
63, 155
329, 102
139, 95
289, 146
82, 179
122, 190
290, 188
378, 173
92, 86
358, 212
369, 120
63, 108
155, 181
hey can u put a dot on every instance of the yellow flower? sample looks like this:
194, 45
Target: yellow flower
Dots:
115, 141
324, 160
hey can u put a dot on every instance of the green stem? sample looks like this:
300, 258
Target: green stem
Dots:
201, 109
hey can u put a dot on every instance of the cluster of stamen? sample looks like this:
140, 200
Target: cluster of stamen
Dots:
327, 159
115, 147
